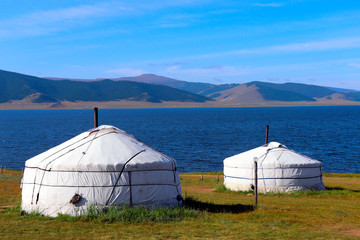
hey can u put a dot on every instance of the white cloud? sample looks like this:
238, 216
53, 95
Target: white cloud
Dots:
172, 25
49, 21
67, 14
274, 4
75, 66
332, 44
214, 71
355, 65
126, 72
154, 64
56, 20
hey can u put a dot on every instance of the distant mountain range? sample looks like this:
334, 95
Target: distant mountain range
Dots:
252, 92
15, 86
194, 87
153, 88
255, 92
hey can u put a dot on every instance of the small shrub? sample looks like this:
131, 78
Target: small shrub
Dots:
127, 214
221, 188
16, 210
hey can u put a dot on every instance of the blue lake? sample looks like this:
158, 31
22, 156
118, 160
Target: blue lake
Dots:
198, 138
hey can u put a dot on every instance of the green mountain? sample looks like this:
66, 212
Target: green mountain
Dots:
342, 90
17, 86
254, 92
263, 92
302, 92
153, 88
353, 96
204, 89
291, 91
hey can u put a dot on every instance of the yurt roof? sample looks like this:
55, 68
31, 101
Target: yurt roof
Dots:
273, 154
105, 148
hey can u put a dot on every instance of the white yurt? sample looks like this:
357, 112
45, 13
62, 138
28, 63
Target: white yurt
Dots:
279, 170
103, 166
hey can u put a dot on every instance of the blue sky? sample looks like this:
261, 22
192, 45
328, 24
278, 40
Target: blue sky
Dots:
313, 42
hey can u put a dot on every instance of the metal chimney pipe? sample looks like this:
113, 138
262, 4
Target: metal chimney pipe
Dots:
96, 119
267, 135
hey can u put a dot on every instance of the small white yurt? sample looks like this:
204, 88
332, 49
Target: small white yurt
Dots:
279, 170
103, 166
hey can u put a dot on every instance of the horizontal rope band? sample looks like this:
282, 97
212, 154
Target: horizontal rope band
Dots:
271, 168
105, 171
272, 178
125, 185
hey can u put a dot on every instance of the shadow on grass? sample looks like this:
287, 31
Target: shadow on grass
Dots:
341, 189
217, 208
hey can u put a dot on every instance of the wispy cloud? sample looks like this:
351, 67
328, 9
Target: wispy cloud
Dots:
168, 64
47, 22
76, 66
326, 45
172, 25
273, 4
214, 71
55, 20
126, 72
355, 65
332, 44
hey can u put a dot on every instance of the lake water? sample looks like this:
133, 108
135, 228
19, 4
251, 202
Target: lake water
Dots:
198, 138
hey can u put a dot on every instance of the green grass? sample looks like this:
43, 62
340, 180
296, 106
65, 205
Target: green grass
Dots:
6, 177
221, 188
210, 212
342, 175
205, 173
127, 214
329, 192
118, 214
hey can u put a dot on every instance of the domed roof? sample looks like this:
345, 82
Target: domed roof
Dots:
105, 148
273, 154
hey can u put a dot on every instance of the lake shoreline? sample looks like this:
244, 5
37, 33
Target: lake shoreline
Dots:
18, 105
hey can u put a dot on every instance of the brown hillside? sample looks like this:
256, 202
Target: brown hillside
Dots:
240, 94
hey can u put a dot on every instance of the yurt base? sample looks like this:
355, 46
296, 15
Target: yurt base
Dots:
277, 189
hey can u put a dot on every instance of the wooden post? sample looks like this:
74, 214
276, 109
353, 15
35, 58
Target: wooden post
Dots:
217, 177
267, 135
202, 177
96, 122
256, 180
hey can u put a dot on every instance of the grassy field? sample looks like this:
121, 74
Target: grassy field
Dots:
211, 213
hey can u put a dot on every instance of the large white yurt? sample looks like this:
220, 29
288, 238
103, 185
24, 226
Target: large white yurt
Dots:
279, 170
103, 166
